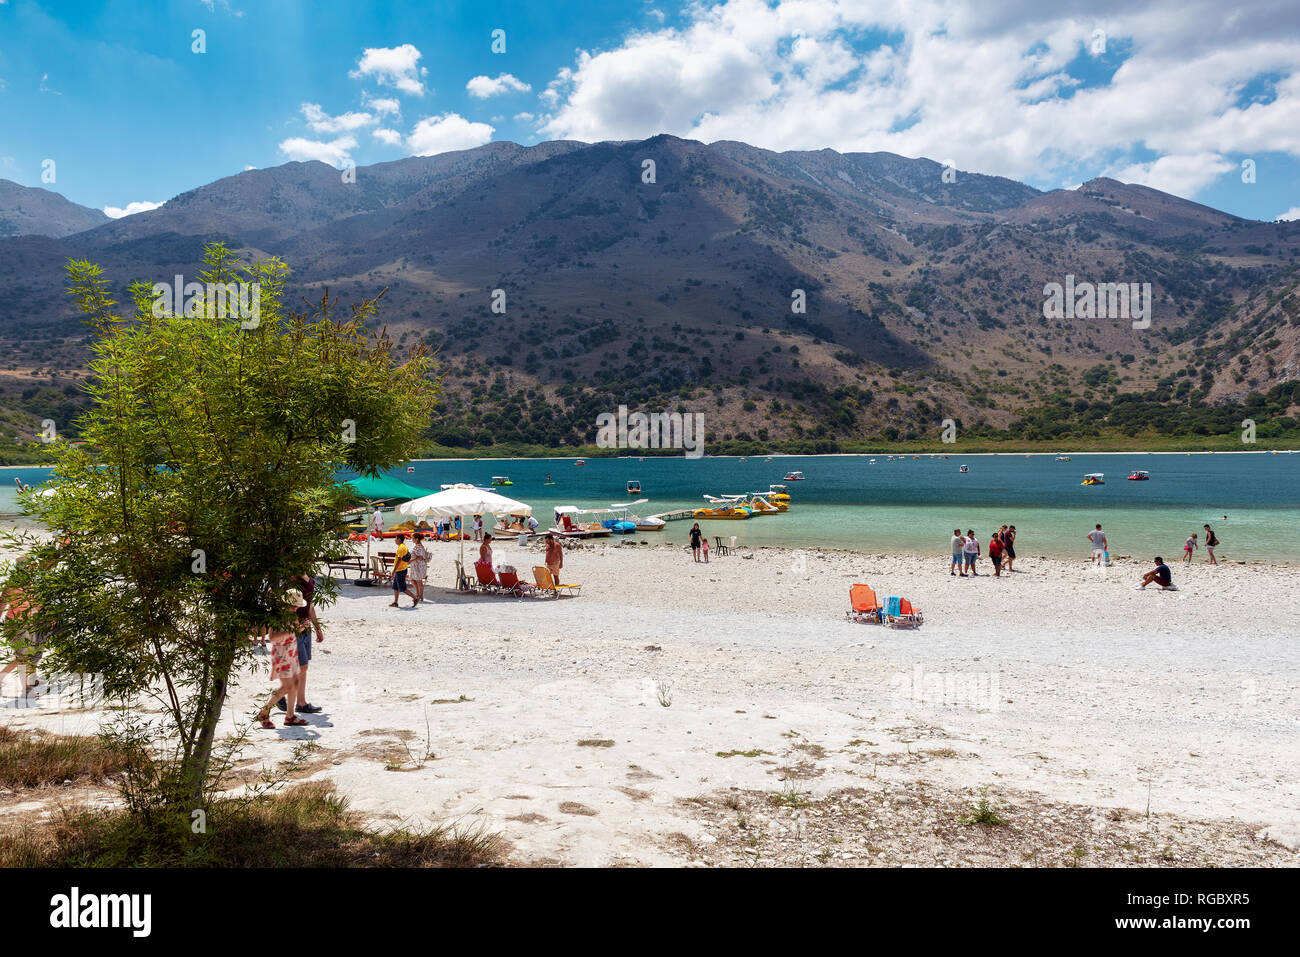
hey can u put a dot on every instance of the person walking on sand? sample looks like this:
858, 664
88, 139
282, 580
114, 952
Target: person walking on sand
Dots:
1099, 544
1009, 540
971, 551
1211, 543
27, 652
696, 537
478, 528
401, 562
704, 548
307, 623
420, 556
1189, 546
284, 667
996, 549
554, 556
958, 543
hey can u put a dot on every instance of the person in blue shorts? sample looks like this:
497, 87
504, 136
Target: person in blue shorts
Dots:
401, 560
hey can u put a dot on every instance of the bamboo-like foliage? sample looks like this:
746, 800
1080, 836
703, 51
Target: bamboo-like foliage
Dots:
206, 479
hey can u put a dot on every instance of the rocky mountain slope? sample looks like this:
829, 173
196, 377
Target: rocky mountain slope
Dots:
668, 273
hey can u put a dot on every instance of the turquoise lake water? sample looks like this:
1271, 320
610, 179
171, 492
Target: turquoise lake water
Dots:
912, 505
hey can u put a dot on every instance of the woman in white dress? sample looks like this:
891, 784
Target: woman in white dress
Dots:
419, 569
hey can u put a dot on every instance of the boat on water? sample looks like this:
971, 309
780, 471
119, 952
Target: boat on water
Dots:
633, 487
722, 509
964, 468
501, 480
511, 526
1139, 475
767, 502
743, 459
769, 458
872, 462
758, 503
1060, 457
623, 512
778, 493
580, 462
574, 522
794, 477
410, 468
1094, 478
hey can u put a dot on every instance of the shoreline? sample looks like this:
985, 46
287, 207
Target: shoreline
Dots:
13, 522
831, 455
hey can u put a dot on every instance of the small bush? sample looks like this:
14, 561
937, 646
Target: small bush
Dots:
305, 826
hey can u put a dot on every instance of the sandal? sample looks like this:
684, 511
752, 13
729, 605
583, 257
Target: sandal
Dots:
295, 721
264, 716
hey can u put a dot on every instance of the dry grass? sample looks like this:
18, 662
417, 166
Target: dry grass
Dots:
305, 826
31, 759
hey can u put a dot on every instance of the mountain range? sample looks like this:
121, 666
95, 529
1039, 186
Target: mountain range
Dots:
808, 295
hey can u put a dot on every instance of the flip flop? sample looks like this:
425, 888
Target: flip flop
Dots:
265, 718
295, 721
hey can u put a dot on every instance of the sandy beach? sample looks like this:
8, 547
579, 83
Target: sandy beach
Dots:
729, 713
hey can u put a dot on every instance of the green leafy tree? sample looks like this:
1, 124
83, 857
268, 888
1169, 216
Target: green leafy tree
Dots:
207, 479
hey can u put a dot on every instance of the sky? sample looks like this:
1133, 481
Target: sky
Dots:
134, 107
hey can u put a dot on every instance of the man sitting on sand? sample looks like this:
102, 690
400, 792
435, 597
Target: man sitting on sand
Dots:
1160, 575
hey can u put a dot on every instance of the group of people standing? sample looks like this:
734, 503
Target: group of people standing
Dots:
966, 551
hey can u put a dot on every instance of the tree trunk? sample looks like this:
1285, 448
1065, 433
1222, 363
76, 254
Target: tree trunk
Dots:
193, 772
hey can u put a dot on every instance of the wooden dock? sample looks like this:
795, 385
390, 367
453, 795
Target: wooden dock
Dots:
677, 516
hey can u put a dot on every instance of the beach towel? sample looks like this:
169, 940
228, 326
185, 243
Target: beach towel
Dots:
892, 606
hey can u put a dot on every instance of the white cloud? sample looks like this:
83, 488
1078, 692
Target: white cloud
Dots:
247, 168
387, 137
322, 122
482, 87
525, 117
987, 87
397, 67
225, 5
384, 105
336, 152
142, 206
46, 89
450, 131
1291, 214
1181, 175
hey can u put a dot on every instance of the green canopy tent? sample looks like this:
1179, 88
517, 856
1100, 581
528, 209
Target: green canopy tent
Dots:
379, 490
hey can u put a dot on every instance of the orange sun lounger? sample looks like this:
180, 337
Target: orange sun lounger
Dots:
546, 583
866, 606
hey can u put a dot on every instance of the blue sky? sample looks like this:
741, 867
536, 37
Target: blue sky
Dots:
115, 95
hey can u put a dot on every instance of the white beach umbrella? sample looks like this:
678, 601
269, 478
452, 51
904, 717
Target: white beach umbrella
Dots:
460, 501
